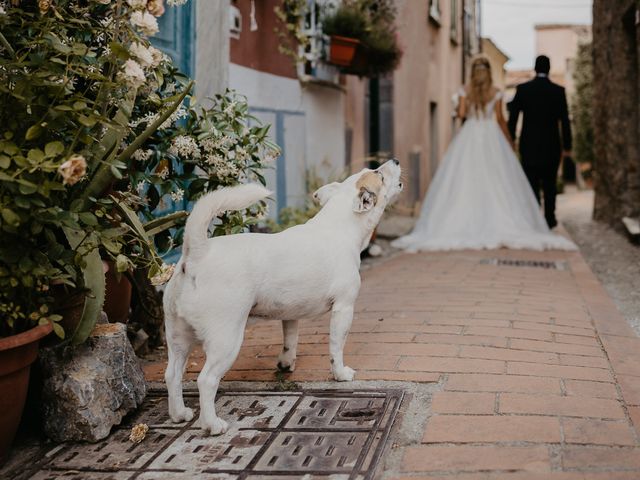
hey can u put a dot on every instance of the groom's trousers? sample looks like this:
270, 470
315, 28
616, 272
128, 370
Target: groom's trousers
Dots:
544, 178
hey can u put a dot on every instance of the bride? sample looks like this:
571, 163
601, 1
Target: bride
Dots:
480, 197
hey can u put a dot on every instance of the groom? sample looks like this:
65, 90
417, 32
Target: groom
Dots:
544, 108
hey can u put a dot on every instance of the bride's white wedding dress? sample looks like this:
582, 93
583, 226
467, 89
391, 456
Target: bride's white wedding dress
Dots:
480, 197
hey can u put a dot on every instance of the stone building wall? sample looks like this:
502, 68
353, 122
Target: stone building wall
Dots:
616, 55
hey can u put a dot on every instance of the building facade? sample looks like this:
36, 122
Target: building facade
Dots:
560, 43
497, 59
616, 110
324, 122
417, 102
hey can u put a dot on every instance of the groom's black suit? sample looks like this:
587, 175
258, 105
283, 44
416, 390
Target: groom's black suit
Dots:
544, 108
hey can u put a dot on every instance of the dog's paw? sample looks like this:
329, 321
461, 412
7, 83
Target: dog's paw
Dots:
181, 415
344, 374
286, 366
215, 427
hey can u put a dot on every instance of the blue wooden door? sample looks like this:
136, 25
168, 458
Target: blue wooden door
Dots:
177, 39
177, 36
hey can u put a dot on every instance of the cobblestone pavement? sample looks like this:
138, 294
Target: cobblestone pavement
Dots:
535, 373
614, 260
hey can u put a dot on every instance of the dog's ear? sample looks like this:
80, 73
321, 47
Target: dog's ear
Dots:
325, 192
365, 201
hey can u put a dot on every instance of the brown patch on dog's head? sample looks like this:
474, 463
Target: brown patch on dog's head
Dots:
370, 181
368, 185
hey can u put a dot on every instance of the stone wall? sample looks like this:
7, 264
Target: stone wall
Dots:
616, 52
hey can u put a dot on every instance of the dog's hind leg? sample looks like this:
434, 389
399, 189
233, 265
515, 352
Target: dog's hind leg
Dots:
180, 339
341, 317
221, 347
287, 358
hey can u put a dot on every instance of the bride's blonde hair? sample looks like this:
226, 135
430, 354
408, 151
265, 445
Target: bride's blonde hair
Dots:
480, 86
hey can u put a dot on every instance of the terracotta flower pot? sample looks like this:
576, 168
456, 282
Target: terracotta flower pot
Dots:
17, 353
342, 50
117, 299
70, 304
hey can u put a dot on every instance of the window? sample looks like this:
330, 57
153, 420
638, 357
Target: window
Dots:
434, 11
433, 138
468, 32
454, 21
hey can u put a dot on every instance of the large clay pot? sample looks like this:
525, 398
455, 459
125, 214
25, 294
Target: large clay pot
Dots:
117, 299
17, 353
70, 304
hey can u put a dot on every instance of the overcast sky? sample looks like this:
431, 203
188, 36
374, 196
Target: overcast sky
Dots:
510, 23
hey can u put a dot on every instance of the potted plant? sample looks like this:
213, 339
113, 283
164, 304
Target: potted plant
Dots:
345, 26
363, 38
67, 90
95, 136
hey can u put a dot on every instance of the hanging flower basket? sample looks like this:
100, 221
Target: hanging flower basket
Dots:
342, 50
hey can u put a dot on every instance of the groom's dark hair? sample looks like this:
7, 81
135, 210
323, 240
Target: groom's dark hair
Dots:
543, 64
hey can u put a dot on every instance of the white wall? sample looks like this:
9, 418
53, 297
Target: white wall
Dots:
307, 122
212, 47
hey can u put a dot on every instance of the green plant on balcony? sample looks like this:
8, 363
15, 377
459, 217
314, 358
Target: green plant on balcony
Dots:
363, 37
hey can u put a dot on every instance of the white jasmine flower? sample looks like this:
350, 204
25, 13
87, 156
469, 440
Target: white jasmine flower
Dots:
181, 112
270, 157
140, 186
230, 108
137, 4
142, 53
132, 74
106, 22
241, 154
208, 145
103, 2
146, 22
177, 195
184, 146
157, 57
142, 155
2, 10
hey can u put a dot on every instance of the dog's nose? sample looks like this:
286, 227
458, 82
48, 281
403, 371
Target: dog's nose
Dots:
396, 161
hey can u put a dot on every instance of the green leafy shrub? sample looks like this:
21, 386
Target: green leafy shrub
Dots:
76, 78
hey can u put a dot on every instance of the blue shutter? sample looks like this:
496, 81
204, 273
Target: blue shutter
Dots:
177, 36
177, 39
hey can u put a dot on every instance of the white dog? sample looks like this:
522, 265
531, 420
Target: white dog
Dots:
303, 272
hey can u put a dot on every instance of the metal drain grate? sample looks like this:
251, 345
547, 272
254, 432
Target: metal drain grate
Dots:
271, 435
511, 262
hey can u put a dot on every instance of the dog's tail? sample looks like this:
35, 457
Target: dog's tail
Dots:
214, 203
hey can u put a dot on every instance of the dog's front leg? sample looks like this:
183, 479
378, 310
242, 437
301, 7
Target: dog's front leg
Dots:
287, 358
341, 317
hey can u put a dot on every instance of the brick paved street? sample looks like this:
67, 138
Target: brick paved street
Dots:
538, 374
